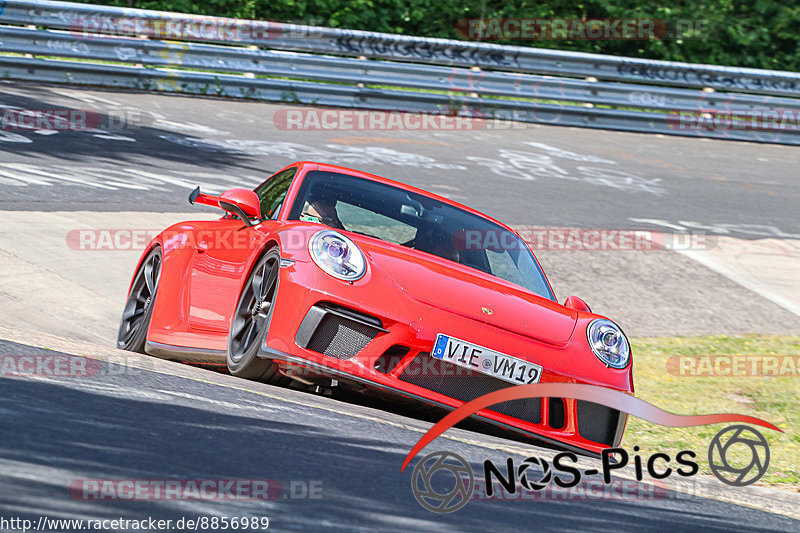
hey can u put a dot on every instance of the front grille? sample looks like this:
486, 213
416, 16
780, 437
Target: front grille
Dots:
465, 385
337, 331
596, 422
339, 337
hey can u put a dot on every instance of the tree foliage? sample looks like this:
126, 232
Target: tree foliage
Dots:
758, 33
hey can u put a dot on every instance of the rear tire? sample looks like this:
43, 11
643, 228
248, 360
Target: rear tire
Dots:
251, 321
132, 334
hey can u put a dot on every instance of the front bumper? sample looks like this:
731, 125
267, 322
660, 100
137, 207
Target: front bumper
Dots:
374, 334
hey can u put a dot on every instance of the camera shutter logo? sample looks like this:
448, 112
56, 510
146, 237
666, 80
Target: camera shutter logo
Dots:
463, 482
720, 464
544, 479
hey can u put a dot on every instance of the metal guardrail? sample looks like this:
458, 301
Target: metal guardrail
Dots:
253, 59
345, 70
65, 15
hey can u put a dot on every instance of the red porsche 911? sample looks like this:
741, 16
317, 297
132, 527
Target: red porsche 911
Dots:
332, 277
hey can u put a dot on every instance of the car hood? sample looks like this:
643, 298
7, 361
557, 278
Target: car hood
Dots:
472, 293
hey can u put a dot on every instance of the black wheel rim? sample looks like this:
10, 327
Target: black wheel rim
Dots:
141, 297
254, 307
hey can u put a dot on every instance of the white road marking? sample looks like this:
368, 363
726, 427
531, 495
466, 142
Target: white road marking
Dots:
61, 177
529, 166
658, 222
11, 137
566, 154
721, 228
21, 174
25, 179
210, 187
111, 137
760, 255
346, 155
188, 126
748, 282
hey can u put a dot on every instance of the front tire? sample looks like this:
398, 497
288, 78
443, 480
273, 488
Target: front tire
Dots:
251, 321
135, 322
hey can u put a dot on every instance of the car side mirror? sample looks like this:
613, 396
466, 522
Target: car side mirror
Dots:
242, 203
573, 302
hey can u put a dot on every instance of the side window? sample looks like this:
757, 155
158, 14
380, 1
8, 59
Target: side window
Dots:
272, 192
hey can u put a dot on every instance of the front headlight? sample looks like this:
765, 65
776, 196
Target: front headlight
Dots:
337, 255
608, 343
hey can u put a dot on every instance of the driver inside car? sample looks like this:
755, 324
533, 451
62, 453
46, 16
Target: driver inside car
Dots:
437, 243
318, 208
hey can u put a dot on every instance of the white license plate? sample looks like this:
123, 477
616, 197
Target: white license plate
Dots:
486, 361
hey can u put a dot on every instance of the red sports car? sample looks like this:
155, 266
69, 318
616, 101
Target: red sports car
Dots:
332, 277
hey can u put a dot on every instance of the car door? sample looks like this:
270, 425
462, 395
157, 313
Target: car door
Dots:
223, 250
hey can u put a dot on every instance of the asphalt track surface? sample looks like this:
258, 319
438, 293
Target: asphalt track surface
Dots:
126, 423
570, 177
189, 423
146, 152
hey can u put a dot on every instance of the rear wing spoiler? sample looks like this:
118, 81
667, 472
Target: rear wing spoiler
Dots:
197, 197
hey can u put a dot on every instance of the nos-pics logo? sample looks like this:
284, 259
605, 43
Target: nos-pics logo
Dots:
726, 466
443, 482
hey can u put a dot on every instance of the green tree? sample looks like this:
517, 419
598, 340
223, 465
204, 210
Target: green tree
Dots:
759, 34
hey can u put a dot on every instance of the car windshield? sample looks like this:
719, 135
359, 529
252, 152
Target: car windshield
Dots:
392, 214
